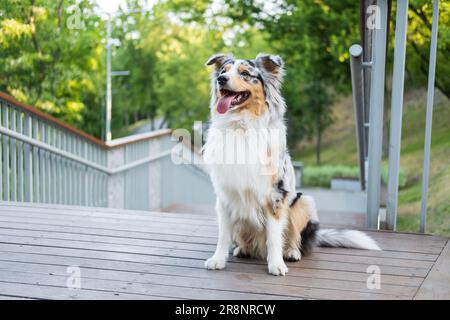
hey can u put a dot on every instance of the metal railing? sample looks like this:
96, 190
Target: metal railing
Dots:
44, 160
368, 78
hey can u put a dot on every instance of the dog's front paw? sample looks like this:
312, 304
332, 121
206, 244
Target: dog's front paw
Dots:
278, 268
292, 254
215, 263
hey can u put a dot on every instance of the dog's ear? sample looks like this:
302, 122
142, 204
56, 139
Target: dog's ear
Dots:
219, 59
271, 63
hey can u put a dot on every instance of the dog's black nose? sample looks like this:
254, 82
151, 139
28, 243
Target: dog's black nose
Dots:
222, 80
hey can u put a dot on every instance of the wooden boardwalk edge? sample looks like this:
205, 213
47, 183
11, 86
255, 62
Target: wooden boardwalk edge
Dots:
436, 285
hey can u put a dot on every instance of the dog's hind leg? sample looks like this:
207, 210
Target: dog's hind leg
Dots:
219, 259
241, 252
291, 250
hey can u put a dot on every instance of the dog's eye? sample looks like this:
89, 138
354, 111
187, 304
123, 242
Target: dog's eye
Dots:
245, 74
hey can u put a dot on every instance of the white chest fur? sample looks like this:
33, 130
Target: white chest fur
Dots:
241, 165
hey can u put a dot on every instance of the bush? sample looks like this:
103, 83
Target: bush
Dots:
320, 176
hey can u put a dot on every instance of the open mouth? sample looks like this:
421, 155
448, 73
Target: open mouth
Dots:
230, 98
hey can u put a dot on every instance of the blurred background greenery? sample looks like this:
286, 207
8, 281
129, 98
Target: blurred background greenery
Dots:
52, 56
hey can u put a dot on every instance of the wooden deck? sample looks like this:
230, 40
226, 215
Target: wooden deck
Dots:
138, 255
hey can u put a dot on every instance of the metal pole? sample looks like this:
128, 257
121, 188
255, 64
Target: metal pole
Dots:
108, 81
367, 39
396, 113
429, 116
376, 116
108, 135
356, 70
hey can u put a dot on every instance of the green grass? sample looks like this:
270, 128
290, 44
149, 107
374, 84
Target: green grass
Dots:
339, 149
320, 176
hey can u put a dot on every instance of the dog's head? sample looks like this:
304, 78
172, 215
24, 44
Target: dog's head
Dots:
250, 86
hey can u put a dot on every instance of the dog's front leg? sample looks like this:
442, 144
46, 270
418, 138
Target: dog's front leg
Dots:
219, 259
274, 242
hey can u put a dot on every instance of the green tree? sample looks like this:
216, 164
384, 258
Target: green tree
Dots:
51, 60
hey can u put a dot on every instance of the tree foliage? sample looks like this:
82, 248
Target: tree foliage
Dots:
45, 63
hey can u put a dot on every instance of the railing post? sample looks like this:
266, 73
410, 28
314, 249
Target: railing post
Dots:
85, 176
429, 116
6, 154
20, 144
396, 113
27, 160
376, 116
358, 106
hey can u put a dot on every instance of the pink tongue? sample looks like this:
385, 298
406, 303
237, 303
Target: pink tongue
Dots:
224, 103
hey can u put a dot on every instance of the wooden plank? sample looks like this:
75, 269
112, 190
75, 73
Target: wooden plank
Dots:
435, 243
176, 217
92, 224
122, 220
146, 290
290, 289
54, 207
108, 232
208, 231
155, 240
105, 222
11, 297
148, 217
347, 219
197, 259
181, 219
33, 291
155, 235
258, 273
180, 249
179, 241
436, 285
388, 234
404, 238
385, 254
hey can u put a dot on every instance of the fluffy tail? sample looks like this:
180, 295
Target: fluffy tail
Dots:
346, 239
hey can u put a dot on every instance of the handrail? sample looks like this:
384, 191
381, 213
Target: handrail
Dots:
80, 160
52, 149
35, 111
105, 145
119, 142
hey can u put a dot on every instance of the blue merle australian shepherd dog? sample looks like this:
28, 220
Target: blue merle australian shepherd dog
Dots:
258, 208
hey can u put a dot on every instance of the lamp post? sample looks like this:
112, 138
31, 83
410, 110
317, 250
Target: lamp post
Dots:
110, 73
108, 81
